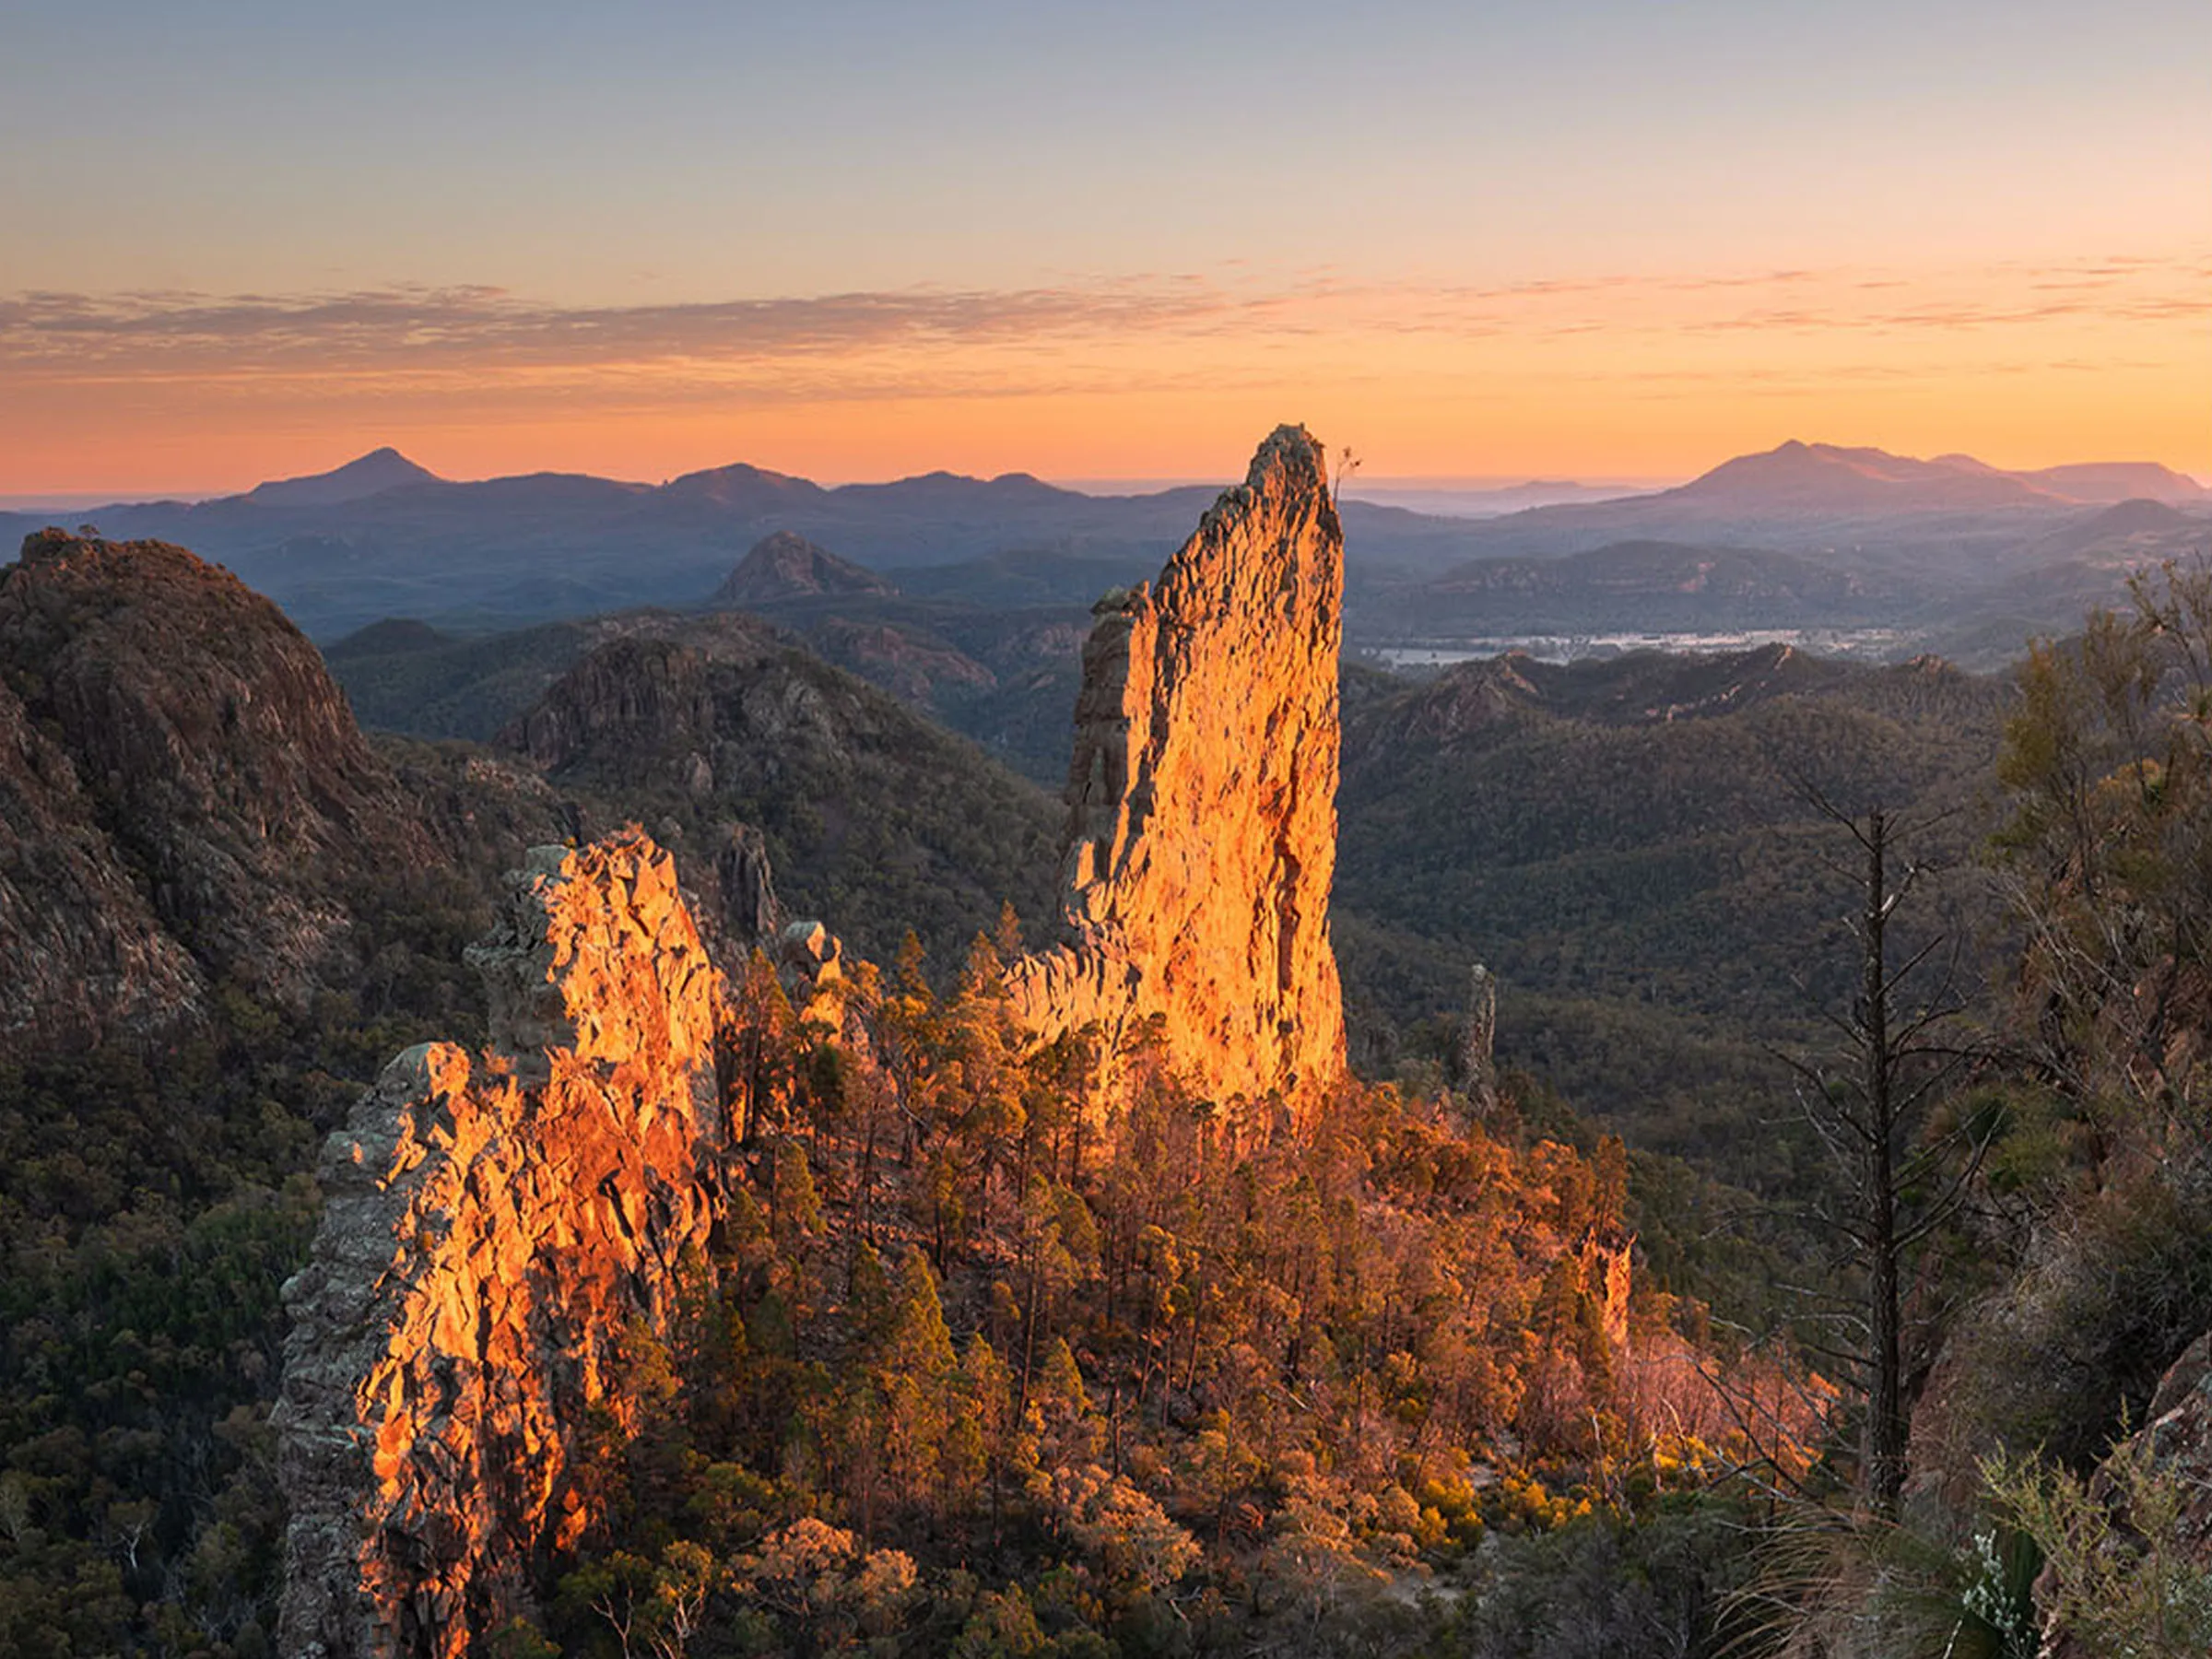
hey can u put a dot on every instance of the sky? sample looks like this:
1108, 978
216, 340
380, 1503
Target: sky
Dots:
1587, 239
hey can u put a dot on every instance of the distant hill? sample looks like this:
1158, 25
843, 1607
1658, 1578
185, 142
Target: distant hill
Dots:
1642, 585
875, 818
372, 474
785, 566
2153, 528
2119, 481
1821, 476
1005, 680
1826, 477
381, 537
1946, 526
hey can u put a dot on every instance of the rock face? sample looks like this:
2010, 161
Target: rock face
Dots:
750, 914
787, 566
493, 1227
186, 795
87, 957
1202, 832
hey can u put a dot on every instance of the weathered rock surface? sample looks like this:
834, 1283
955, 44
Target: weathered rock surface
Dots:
493, 1227
750, 914
86, 954
1202, 835
186, 795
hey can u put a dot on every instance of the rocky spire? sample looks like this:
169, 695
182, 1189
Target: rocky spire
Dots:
1202, 835
494, 1227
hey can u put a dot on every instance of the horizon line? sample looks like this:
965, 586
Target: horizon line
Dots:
76, 500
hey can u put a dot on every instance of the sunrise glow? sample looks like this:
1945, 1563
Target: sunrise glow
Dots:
1605, 243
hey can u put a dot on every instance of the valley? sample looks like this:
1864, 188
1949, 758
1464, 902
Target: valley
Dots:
932, 1082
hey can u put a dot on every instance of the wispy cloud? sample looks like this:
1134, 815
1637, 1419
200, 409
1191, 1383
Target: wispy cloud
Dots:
1076, 334
484, 321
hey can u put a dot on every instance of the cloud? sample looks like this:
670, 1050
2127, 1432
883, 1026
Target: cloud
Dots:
495, 323
1074, 335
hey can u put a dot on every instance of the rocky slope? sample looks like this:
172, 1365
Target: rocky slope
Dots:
876, 820
493, 1225
187, 796
87, 955
1202, 832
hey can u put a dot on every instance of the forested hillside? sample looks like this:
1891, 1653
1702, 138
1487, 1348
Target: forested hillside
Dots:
1636, 850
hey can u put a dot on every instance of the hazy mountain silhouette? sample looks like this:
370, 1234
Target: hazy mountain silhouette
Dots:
783, 566
381, 537
372, 474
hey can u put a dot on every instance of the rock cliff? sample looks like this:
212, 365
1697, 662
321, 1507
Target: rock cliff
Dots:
1201, 795
87, 957
493, 1228
187, 797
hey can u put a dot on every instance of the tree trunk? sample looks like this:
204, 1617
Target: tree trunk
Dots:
1885, 1403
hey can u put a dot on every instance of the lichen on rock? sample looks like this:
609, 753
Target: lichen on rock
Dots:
495, 1228
1202, 797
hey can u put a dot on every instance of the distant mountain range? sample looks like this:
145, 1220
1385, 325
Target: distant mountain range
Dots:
1890, 537
1823, 477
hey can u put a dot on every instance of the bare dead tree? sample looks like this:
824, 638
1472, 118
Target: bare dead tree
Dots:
1868, 1100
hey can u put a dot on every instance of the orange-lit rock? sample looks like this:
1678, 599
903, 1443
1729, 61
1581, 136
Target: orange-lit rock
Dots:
1202, 835
494, 1228
1607, 1259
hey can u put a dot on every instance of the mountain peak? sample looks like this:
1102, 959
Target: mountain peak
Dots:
1829, 478
785, 565
381, 469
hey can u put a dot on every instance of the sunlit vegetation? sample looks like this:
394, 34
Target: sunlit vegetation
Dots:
1006, 1350
995, 1358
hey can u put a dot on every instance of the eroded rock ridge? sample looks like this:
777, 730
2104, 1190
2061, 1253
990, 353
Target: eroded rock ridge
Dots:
1202, 794
494, 1225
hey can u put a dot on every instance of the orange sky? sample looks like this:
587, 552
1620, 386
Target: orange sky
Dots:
1595, 240
1604, 376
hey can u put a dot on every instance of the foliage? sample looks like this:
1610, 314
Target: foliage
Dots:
1086, 1341
1620, 843
2125, 1578
151, 1208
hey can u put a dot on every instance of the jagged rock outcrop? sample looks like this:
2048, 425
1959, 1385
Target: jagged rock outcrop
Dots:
1202, 834
186, 795
750, 914
493, 1227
